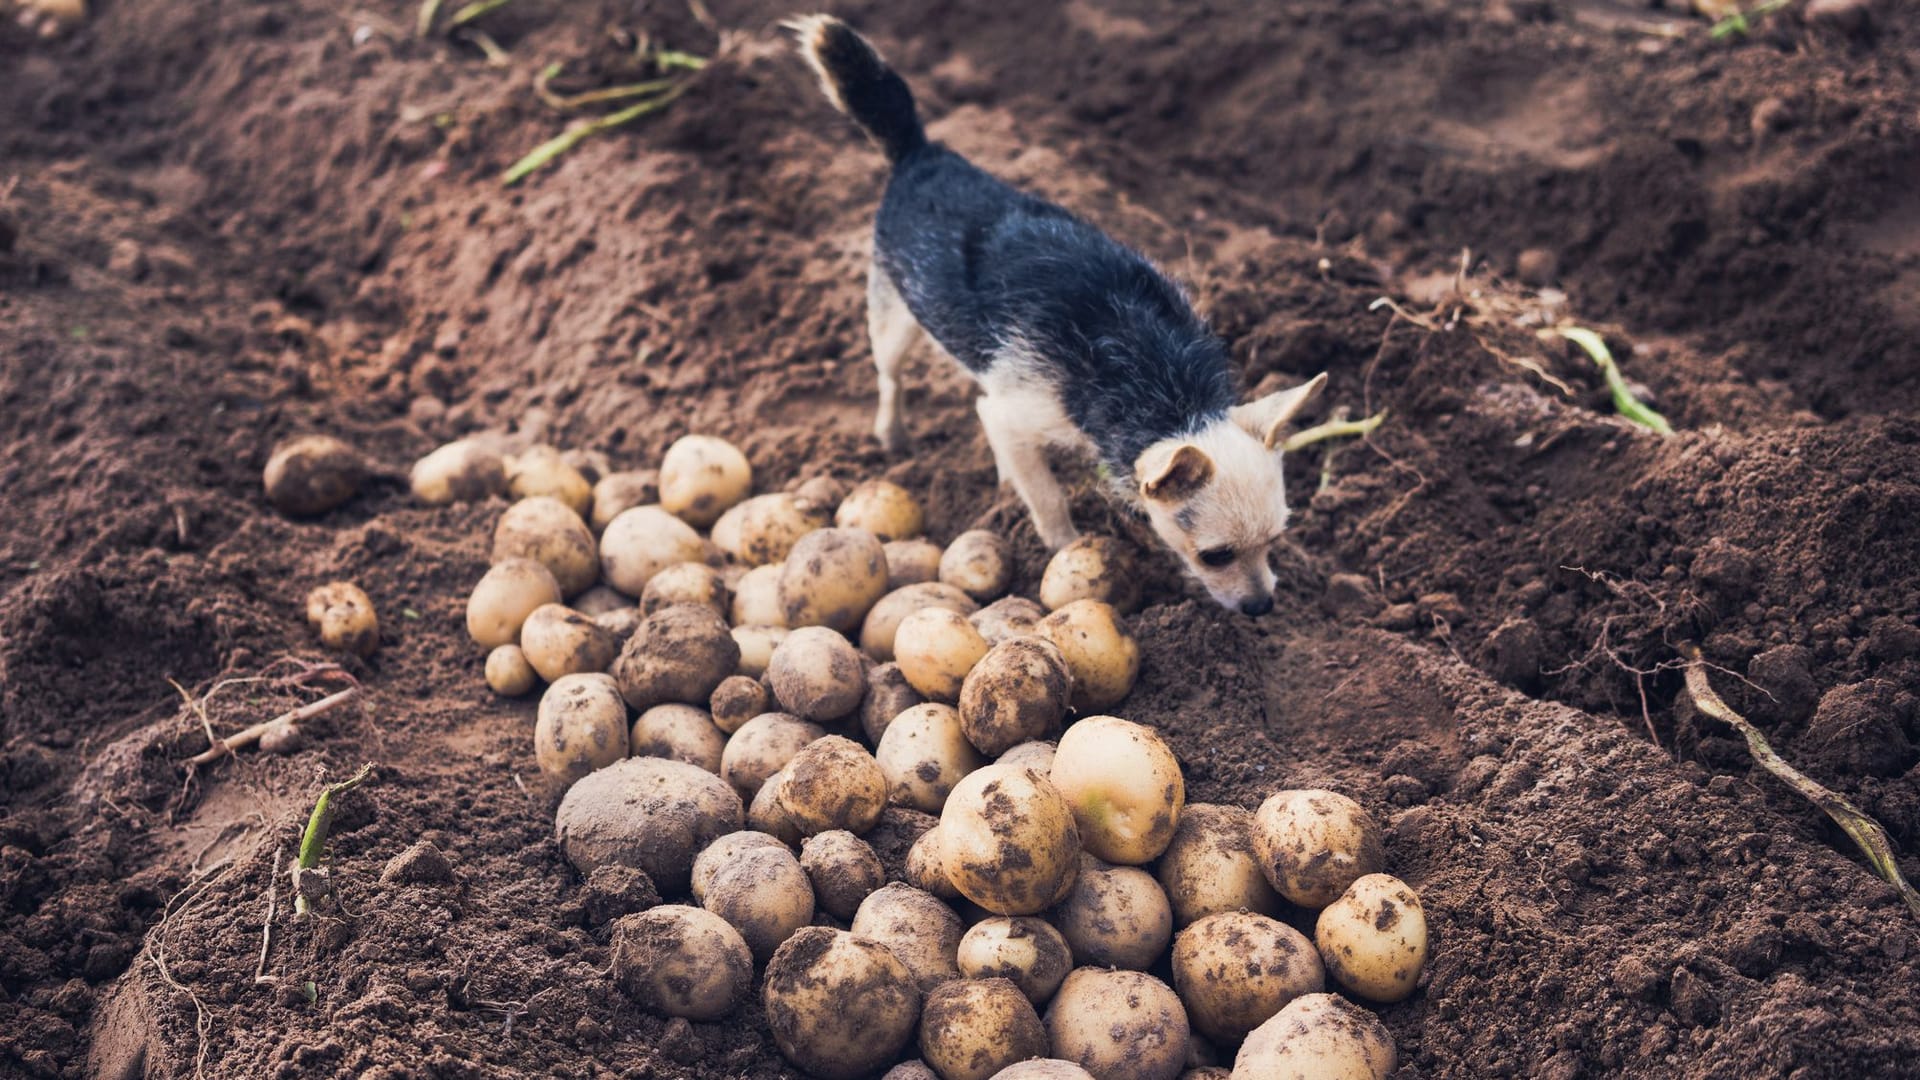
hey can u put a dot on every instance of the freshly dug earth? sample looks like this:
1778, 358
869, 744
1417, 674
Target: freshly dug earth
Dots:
223, 225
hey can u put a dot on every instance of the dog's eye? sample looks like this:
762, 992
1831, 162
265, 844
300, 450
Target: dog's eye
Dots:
1217, 557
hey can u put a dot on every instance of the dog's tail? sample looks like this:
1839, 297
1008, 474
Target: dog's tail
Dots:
860, 83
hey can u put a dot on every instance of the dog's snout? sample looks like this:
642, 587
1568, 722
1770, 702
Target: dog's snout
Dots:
1256, 605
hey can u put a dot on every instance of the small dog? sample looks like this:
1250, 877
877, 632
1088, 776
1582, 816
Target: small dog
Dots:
1075, 340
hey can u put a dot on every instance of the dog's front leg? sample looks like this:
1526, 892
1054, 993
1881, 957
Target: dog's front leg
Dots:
1019, 452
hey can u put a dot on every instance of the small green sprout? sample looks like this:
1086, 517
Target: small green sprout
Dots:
313, 842
1740, 23
1623, 400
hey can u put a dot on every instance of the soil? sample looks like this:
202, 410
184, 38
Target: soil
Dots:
223, 225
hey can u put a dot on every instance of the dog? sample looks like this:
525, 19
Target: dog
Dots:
1075, 341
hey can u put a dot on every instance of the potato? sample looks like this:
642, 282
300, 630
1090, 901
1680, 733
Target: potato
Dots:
540, 470
833, 578
763, 893
762, 747
600, 600
1119, 1025
507, 593
1008, 841
923, 932
816, 675
1008, 617
1025, 950
465, 470
311, 474
1036, 755
1017, 693
970, 1029
737, 700
722, 851
833, 783
616, 493
820, 494
642, 542
926, 867
343, 615
558, 640
620, 625
680, 733
1207, 1072
882, 624
1091, 568
1318, 1035
888, 695
686, 583
581, 726
681, 961
756, 645
1043, 1069
1209, 867
1114, 916
935, 649
508, 673
679, 654
978, 563
882, 508
1235, 969
756, 598
767, 815
844, 871
702, 477
766, 528
1313, 844
648, 813
911, 562
547, 531
1124, 785
923, 754
839, 1006
1101, 655
1374, 938
910, 1070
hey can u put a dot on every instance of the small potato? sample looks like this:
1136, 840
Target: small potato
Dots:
648, 813
642, 542
1008, 840
936, 648
820, 494
723, 851
1210, 868
600, 600
1043, 1069
620, 625
833, 578
768, 816
756, 645
345, 618
465, 470
507, 593
767, 528
923, 754
702, 477
1124, 785
764, 894
1025, 950
686, 583
1017, 693
679, 654
616, 493
312, 474
680, 733
1091, 568
888, 695
762, 747
882, 624
1115, 916
833, 783
1102, 656
1374, 939
1008, 617
1235, 969
1207, 1072
970, 1029
882, 508
558, 640
540, 470
923, 932
681, 961
911, 562
844, 871
926, 868
737, 700
581, 726
508, 673
1119, 1025
1036, 755
816, 674
839, 1006
756, 598
978, 563
910, 1070
1318, 1035
1313, 844
547, 531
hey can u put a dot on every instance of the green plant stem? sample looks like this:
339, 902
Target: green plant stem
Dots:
572, 102
475, 10
546, 152
668, 59
1623, 400
313, 842
1332, 429
429, 11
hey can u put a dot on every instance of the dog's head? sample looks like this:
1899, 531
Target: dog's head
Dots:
1218, 499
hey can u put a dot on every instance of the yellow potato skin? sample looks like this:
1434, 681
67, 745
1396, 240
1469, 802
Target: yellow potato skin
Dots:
1373, 939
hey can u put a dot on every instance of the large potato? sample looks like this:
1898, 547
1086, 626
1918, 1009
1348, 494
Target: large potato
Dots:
680, 733
1102, 656
1312, 844
685, 583
679, 654
648, 813
833, 783
923, 932
558, 640
832, 578
1319, 1035
882, 508
581, 726
839, 1006
978, 563
702, 477
816, 674
926, 866
547, 531
1114, 916
681, 961
1008, 617
343, 615
643, 541
540, 470
616, 493
756, 645
923, 754
465, 470
1124, 785
507, 593
1008, 840
888, 695
508, 672
1017, 693
911, 562
1210, 867
1235, 969
1025, 950
312, 474
936, 648
882, 624
765, 528
723, 851
1374, 938
763, 893
844, 871
756, 597
1119, 1025
737, 700
1091, 568
970, 1029
762, 747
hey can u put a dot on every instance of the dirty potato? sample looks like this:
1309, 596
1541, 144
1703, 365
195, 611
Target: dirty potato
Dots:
737, 700
816, 674
882, 624
1373, 939
507, 593
1017, 693
1027, 951
648, 813
1114, 916
1043, 1069
978, 563
686, 583
547, 531
465, 470
1091, 568
970, 1029
765, 528
888, 695
882, 508
766, 814
1008, 617
923, 932
1312, 844
581, 726
558, 640
1124, 785
1319, 1035
312, 474
722, 851
1008, 840
936, 648
1036, 755
681, 961
763, 893
343, 615
839, 1006
541, 470
923, 754
679, 733
1209, 867
844, 871
702, 477
833, 783
763, 746
832, 578
1235, 969
618, 492
756, 597
1102, 656
600, 600
926, 867
756, 645
911, 562
1119, 1025
508, 673
678, 654
642, 542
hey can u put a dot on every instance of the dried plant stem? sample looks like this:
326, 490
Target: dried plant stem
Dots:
247, 737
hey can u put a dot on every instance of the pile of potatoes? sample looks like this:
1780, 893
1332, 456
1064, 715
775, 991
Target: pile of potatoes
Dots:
752, 697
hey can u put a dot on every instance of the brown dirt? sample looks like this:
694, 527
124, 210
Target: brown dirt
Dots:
226, 224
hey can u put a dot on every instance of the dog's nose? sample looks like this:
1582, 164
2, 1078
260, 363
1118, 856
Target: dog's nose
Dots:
1256, 606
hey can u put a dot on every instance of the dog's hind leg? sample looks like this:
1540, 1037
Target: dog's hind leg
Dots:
893, 332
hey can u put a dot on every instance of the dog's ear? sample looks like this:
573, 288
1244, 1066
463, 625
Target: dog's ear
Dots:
1174, 475
1264, 419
